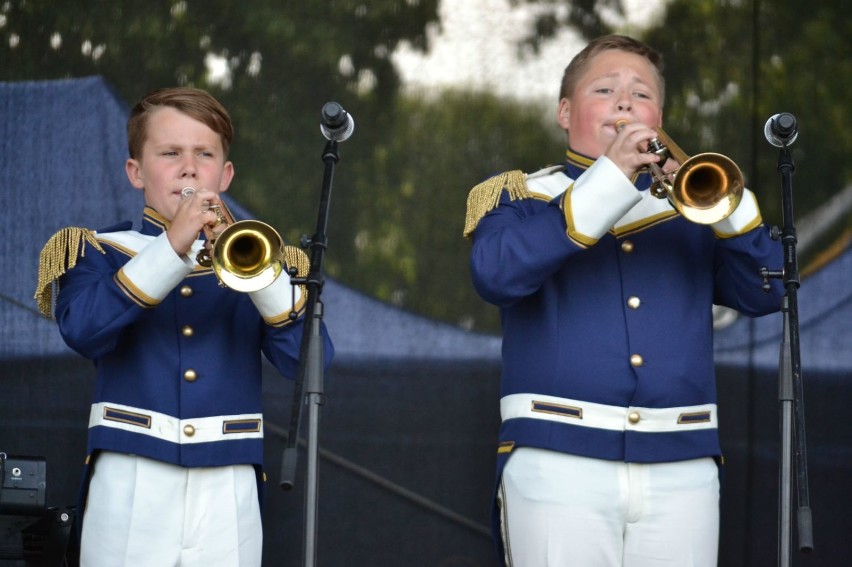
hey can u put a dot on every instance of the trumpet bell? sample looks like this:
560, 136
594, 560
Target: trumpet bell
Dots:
248, 256
707, 188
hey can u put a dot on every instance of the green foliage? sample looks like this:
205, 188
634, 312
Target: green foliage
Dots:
585, 16
285, 60
730, 65
412, 194
401, 186
741, 62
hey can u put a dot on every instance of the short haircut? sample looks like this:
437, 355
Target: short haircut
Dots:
580, 62
195, 103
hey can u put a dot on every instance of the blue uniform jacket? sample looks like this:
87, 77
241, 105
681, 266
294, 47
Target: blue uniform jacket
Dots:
606, 294
178, 356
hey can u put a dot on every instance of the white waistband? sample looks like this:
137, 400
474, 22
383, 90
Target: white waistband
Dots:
615, 418
174, 430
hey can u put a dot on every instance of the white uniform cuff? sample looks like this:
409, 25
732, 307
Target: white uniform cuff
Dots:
276, 301
597, 200
744, 218
155, 270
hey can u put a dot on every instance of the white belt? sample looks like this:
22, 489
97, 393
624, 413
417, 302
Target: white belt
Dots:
174, 430
614, 418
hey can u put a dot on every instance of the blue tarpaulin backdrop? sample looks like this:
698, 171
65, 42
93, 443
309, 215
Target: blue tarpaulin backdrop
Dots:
410, 420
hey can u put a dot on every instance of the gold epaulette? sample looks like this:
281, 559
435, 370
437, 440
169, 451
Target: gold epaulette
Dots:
296, 258
58, 256
486, 196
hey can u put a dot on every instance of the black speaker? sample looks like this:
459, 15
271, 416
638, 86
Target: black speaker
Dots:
30, 531
23, 487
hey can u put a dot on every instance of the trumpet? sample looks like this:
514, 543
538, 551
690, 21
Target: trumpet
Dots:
246, 255
704, 188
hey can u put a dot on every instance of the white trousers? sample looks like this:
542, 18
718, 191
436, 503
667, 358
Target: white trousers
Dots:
146, 513
564, 510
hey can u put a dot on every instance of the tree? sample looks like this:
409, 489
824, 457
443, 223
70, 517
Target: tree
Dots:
399, 197
280, 60
732, 65
409, 248
751, 60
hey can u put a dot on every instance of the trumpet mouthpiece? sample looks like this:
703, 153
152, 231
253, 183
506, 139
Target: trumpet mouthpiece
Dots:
619, 126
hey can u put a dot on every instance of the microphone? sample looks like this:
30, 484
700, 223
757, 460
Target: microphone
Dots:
781, 130
336, 123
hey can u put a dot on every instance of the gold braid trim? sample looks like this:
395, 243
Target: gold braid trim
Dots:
295, 257
58, 256
486, 196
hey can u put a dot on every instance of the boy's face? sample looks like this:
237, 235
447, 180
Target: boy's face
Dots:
179, 151
617, 85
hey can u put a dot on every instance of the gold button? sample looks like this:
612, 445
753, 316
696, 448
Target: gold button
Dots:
627, 247
190, 375
633, 302
637, 360
186, 291
188, 430
634, 417
187, 331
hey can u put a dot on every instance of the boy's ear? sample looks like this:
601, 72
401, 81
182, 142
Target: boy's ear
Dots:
134, 173
227, 176
563, 113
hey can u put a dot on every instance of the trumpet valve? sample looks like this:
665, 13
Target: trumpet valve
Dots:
203, 258
655, 146
217, 210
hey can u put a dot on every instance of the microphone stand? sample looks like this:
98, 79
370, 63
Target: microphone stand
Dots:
311, 373
790, 391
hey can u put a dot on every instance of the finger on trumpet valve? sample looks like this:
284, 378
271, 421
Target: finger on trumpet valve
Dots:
217, 210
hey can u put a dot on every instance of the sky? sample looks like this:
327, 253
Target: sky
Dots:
476, 47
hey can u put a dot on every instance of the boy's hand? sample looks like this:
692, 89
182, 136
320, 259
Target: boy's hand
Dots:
191, 216
628, 150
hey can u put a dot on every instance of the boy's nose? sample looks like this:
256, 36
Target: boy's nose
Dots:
623, 101
188, 168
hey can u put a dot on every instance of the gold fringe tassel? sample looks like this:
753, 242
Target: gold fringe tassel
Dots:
58, 256
486, 196
296, 257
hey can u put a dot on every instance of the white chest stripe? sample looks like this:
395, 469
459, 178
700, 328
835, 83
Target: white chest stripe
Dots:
174, 430
133, 241
550, 182
649, 207
613, 418
553, 181
129, 240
